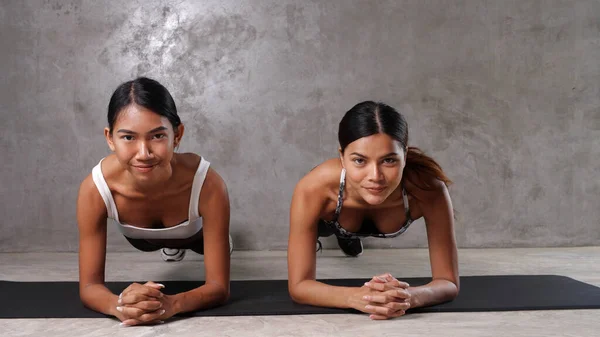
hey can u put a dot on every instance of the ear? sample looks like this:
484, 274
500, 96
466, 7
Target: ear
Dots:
341, 156
109, 140
178, 135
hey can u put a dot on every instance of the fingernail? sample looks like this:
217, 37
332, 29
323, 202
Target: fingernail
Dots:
368, 284
123, 324
161, 285
162, 311
161, 322
120, 295
369, 307
366, 298
381, 279
119, 301
120, 309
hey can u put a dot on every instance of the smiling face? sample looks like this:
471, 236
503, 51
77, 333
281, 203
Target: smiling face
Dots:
374, 166
143, 142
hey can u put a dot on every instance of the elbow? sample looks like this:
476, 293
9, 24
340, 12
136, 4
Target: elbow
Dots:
448, 288
83, 295
225, 296
454, 290
295, 293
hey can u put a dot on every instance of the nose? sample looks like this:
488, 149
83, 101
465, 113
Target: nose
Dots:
375, 173
144, 152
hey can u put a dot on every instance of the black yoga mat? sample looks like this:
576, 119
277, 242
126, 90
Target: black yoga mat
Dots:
270, 297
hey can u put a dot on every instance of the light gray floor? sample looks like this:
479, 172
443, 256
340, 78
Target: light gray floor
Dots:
579, 263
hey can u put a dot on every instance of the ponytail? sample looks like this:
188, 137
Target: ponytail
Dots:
420, 168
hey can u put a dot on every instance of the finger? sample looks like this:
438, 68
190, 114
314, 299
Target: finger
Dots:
378, 299
390, 281
147, 306
152, 316
129, 288
400, 284
154, 285
130, 322
399, 293
375, 285
135, 298
396, 306
151, 291
146, 291
382, 317
386, 286
378, 309
387, 277
130, 312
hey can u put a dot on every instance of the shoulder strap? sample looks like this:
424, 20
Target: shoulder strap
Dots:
104, 190
199, 178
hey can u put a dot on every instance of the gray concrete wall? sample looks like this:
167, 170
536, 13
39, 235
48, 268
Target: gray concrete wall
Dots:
504, 94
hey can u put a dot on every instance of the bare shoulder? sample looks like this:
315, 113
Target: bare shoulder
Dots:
214, 198
322, 182
111, 168
187, 162
213, 184
89, 200
324, 176
425, 189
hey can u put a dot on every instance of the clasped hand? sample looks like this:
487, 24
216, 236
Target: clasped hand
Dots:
383, 297
143, 304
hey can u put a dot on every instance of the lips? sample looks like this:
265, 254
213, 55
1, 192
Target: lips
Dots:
375, 190
144, 168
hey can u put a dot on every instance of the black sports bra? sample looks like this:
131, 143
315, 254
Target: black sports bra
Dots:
368, 228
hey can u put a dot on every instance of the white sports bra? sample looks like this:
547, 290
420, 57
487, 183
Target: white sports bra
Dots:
184, 230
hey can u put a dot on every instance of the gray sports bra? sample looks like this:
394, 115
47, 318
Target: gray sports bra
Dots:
368, 227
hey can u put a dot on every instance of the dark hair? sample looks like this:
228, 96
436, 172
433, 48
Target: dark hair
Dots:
369, 118
144, 92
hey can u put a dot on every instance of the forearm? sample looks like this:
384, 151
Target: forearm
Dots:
435, 292
320, 294
207, 296
99, 298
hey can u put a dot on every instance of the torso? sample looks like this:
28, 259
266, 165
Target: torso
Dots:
389, 217
168, 208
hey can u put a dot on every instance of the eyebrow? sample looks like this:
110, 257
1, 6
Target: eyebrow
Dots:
160, 128
363, 156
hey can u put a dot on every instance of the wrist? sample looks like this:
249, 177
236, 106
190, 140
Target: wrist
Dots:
415, 300
175, 302
350, 297
112, 306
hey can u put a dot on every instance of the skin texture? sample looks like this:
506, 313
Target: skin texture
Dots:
151, 184
374, 169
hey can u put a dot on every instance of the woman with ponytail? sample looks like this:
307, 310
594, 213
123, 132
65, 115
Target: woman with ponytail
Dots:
377, 187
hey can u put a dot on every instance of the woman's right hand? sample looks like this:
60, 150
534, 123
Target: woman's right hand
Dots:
140, 304
380, 304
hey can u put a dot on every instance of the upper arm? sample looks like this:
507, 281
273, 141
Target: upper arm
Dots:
91, 222
215, 210
439, 220
306, 206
